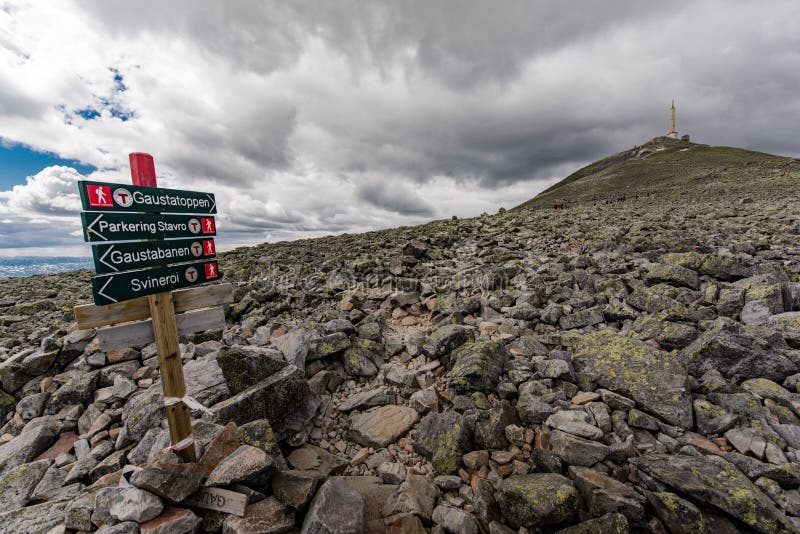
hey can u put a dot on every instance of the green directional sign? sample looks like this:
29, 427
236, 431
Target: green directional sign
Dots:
111, 288
101, 196
127, 256
128, 226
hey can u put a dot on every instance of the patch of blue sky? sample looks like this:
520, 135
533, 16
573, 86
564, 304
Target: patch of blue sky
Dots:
18, 161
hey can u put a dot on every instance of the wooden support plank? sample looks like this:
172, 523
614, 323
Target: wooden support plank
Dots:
165, 330
91, 316
140, 333
220, 500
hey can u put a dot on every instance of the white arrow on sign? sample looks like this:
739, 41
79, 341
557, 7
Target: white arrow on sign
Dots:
89, 229
110, 278
104, 257
213, 203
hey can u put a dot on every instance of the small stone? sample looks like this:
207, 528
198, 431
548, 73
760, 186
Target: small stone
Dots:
584, 397
392, 472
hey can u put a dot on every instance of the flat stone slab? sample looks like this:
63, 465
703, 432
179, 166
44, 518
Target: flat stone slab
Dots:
712, 480
381, 426
657, 381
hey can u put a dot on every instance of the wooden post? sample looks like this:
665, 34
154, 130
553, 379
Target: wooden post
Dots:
165, 331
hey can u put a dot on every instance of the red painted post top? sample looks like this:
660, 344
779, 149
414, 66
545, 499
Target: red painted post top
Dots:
143, 169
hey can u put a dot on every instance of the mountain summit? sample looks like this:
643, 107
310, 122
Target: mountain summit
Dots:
615, 366
668, 168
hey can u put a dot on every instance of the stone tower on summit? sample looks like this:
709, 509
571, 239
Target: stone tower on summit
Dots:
673, 134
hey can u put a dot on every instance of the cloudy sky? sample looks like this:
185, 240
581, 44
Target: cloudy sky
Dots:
309, 118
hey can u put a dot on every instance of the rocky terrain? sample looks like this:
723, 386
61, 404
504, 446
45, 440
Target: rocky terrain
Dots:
616, 366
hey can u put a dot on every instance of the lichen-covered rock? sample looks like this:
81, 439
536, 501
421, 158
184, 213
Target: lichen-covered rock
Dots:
602, 494
443, 438
677, 514
727, 349
78, 389
608, 524
358, 361
537, 499
655, 380
328, 345
244, 366
274, 398
25, 447
17, 485
669, 335
712, 480
476, 366
445, 339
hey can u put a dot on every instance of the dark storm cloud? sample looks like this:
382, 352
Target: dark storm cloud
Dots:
313, 116
615, 95
394, 197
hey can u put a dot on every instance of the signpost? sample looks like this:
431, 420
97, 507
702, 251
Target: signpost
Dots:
136, 279
112, 288
121, 256
101, 196
125, 226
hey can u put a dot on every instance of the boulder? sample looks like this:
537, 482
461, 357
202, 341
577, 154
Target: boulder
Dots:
273, 398
445, 339
455, 521
244, 366
415, 495
443, 438
602, 494
174, 482
245, 464
712, 480
577, 451
171, 521
325, 513
537, 499
378, 427
476, 366
726, 348
265, 516
116, 504
655, 380
25, 447
678, 515
18, 484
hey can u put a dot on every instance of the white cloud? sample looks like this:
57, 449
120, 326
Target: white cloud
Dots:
309, 118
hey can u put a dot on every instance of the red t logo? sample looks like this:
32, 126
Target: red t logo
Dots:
99, 196
208, 245
211, 270
208, 225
